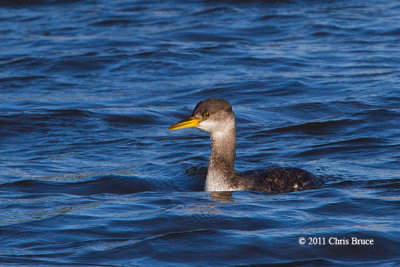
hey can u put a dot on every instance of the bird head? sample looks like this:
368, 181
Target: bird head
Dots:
211, 115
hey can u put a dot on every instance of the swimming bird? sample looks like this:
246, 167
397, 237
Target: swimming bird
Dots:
216, 117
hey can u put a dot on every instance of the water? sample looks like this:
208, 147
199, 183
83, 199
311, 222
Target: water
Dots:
90, 175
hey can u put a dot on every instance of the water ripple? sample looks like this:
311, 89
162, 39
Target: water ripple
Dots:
90, 174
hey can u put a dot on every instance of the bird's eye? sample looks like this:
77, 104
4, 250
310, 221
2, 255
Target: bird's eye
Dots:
206, 114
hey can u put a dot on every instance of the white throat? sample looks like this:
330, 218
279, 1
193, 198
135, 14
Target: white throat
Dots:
221, 167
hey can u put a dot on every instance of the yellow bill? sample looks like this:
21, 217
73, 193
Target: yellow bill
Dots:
185, 124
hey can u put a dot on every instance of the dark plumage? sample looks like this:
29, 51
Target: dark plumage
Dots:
280, 180
216, 117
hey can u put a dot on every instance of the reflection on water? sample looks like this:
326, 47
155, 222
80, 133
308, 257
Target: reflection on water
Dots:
224, 197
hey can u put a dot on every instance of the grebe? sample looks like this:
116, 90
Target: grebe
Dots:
216, 117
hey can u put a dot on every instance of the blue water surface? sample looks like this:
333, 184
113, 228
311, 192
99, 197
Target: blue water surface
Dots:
90, 174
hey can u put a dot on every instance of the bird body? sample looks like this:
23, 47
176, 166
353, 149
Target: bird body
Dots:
216, 117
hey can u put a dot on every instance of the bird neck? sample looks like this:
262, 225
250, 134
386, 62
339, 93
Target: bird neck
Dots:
221, 167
